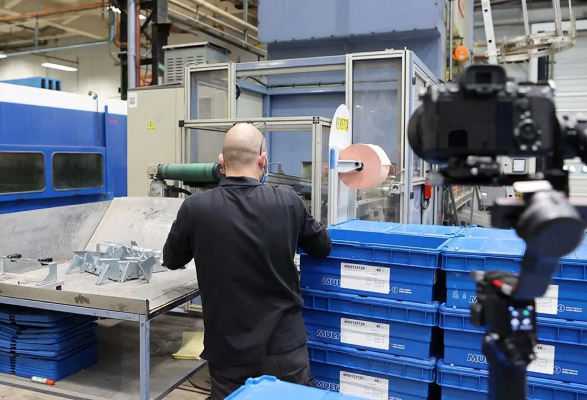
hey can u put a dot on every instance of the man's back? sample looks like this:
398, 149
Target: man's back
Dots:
243, 237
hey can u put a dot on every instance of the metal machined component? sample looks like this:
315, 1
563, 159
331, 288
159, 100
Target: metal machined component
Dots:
49, 281
118, 262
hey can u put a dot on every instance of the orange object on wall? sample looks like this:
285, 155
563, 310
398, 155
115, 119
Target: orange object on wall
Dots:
460, 53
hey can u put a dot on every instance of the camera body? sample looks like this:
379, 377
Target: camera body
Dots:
484, 115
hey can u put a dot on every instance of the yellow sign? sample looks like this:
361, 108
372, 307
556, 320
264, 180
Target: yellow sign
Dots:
151, 127
342, 124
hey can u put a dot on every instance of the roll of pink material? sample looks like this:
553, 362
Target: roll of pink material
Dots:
375, 169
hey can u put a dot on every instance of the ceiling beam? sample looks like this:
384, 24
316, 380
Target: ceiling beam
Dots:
12, 3
59, 26
53, 11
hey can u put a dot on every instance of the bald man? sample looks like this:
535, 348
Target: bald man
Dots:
243, 236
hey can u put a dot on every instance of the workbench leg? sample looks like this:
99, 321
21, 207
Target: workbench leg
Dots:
145, 357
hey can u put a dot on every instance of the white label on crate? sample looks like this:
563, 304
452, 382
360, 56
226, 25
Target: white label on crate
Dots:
132, 100
548, 304
364, 277
368, 387
544, 362
364, 333
297, 260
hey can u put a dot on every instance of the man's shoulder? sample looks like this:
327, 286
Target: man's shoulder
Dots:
201, 198
287, 192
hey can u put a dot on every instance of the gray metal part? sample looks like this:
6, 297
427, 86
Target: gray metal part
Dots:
146, 267
109, 269
55, 232
51, 277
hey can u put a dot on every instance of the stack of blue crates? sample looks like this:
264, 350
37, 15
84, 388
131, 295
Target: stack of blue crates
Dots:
560, 370
46, 344
370, 309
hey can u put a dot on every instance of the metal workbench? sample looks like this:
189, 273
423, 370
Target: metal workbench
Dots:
144, 220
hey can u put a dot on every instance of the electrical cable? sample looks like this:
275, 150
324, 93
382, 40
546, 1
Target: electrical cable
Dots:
198, 387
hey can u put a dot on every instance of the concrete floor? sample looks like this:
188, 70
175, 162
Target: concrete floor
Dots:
10, 393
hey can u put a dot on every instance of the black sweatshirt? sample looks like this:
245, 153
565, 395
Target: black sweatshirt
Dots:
243, 237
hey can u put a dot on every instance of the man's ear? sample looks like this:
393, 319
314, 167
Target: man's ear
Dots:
221, 161
263, 160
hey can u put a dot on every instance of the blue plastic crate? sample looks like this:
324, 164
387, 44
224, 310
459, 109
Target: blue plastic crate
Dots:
460, 383
28, 366
270, 388
32, 317
564, 346
376, 232
389, 326
490, 233
380, 259
405, 282
565, 299
370, 374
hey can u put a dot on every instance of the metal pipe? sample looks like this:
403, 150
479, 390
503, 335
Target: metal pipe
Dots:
226, 15
556, 5
44, 13
69, 47
138, 42
450, 39
525, 13
226, 25
130, 48
246, 19
198, 12
217, 33
51, 49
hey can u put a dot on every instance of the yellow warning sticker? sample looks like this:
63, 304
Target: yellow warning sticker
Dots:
151, 127
342, 124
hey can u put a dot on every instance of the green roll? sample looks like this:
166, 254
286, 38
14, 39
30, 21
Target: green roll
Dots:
191, 173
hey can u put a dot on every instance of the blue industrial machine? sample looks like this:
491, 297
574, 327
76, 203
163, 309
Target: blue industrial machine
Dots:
40, 82
59, 148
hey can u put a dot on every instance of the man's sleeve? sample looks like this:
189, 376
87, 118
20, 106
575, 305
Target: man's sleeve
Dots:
313, 238
177, 251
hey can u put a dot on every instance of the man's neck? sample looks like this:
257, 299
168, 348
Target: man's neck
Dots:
243, 173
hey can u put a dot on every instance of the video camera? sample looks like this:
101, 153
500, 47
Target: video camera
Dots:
463, 127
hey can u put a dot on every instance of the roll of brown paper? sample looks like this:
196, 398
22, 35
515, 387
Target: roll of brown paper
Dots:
376, 166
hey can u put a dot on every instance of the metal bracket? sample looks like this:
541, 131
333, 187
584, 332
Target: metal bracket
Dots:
349, 165
118, 262
492, 52
51, 279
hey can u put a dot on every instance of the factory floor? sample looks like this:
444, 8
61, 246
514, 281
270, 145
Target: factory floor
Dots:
159, 343
10, 393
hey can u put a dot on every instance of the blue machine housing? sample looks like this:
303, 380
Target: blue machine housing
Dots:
49, 122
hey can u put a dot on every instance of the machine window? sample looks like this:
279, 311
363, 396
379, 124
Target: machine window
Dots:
22, 172
78, 170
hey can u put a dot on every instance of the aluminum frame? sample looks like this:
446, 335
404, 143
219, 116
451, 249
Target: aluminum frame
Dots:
387, 54
281, 124
410, 66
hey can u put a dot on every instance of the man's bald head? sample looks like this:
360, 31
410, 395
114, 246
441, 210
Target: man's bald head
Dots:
242, 147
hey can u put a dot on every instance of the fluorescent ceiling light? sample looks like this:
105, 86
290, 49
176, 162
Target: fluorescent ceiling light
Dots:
3, 55
59, 66
141, 16
115, 9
